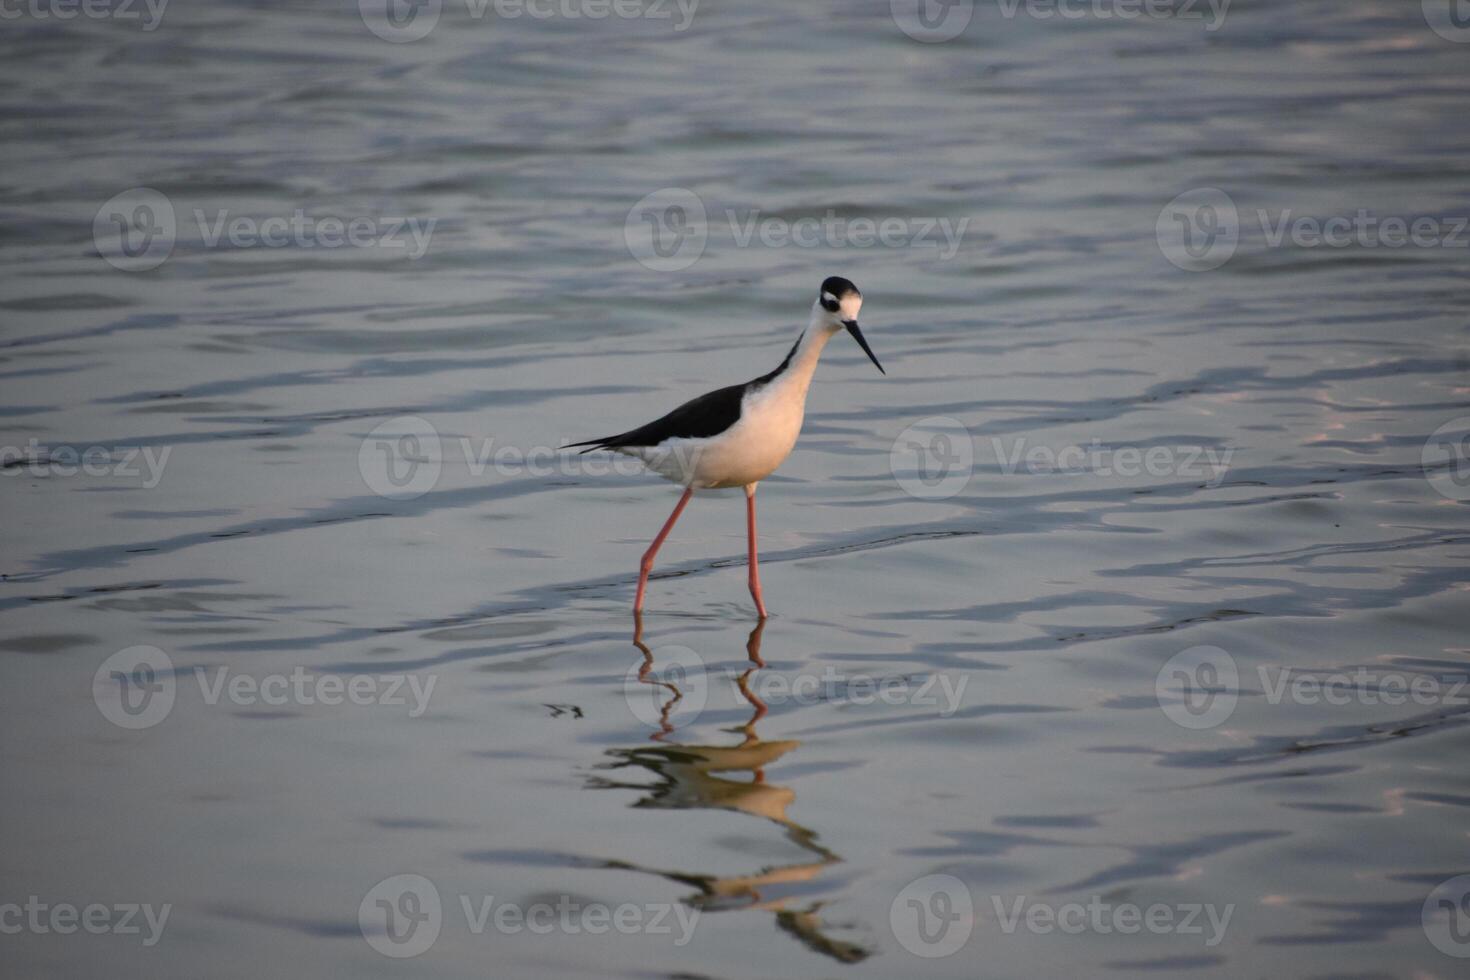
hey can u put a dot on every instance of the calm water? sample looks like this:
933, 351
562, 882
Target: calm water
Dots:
968, 671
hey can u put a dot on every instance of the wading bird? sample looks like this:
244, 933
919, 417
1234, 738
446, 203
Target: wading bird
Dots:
737, 436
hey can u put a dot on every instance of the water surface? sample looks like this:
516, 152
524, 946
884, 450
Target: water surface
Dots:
542, 767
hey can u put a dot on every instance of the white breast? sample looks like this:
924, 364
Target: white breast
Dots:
752, 448
746, 453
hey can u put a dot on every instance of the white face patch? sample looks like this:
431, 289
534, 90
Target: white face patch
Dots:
828, 298
851, 303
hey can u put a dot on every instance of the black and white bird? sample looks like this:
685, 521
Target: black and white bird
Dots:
737, 436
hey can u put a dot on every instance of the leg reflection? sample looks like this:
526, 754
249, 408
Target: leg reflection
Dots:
698, 777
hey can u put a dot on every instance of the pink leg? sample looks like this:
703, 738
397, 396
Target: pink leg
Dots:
755, 565
646, 565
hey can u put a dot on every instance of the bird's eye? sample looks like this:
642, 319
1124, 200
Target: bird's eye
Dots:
829, 303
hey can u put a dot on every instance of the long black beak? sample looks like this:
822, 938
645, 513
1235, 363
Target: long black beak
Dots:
857, 335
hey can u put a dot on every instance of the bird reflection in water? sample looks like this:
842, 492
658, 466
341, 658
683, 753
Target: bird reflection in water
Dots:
696, 777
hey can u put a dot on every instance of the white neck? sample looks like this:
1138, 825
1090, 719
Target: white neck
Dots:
798, 374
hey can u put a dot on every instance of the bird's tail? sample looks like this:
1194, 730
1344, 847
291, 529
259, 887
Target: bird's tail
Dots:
606, 442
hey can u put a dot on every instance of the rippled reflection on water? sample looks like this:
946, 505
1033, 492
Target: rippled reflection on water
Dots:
1035, 608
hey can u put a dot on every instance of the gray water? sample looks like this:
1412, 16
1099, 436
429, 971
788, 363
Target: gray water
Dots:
979, 665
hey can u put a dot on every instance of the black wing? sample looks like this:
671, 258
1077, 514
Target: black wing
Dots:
707, 415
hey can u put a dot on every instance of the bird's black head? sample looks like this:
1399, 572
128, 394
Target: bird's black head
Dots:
837, 309
834, 290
